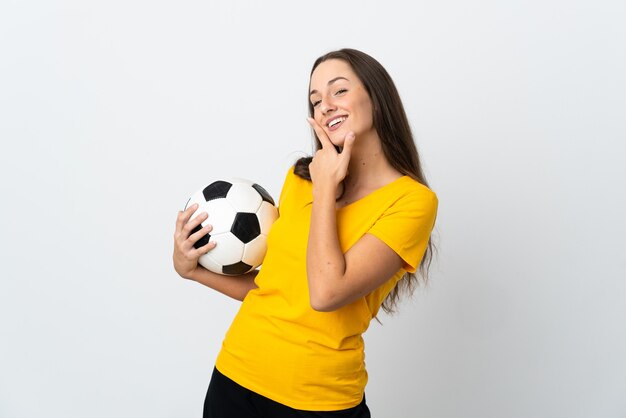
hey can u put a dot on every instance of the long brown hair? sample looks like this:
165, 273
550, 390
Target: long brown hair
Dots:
397, 143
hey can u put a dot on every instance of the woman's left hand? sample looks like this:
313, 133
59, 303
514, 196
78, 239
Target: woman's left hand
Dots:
329, 167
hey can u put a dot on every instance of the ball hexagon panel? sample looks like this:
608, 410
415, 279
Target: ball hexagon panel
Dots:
254, 251
209, 263
267, 214
228, 249
221, 215
244, 198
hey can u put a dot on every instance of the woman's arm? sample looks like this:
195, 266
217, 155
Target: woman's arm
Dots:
336, 279
237, 287
186, 257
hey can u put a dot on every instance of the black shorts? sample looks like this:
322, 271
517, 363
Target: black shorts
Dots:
227, 399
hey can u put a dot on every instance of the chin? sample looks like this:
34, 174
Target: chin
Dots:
337, 138
338, 143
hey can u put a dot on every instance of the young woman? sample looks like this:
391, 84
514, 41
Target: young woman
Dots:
354, 226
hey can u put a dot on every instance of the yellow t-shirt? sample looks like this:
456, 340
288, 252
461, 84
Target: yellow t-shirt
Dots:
277, 345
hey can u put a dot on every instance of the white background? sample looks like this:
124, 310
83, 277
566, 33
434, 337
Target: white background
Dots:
113, 113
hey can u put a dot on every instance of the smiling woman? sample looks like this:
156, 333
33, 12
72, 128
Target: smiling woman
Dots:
354, 227
389, 130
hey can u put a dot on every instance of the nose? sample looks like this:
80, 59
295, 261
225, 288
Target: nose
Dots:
326, 106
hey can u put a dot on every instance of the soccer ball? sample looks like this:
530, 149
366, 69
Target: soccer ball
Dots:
241, 213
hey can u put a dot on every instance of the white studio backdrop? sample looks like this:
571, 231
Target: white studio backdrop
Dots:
113, 113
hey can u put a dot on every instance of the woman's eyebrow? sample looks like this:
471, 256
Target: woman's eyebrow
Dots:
328, 84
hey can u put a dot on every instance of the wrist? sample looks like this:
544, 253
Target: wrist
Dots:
190, 275
324, 192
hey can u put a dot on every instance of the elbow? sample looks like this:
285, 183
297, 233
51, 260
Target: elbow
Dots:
325, 291
320, 307
323, 301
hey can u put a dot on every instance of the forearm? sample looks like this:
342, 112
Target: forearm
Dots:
326, 263
236, 287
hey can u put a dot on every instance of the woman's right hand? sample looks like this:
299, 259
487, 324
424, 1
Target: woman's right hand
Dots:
185, 254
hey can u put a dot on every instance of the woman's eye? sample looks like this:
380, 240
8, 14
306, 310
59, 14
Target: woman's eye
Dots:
315, 103
341, 91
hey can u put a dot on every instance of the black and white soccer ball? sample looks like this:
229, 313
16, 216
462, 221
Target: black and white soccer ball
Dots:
241, 213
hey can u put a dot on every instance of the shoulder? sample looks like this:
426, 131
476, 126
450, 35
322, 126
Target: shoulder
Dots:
406, 223
407, 207
294, 188
411, 194
291, 179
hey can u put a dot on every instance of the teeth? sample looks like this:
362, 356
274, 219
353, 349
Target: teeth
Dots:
336, 121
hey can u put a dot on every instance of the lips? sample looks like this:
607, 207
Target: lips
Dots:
334, 123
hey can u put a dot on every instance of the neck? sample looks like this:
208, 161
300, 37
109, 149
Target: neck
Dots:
369, 168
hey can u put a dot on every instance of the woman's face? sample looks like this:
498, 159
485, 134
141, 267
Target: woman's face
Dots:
340, 102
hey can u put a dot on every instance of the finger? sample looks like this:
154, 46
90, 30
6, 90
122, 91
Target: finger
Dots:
321, 134
346, 152
204, 249
348, 143
193, 223
187, 242
183, 216
199, 233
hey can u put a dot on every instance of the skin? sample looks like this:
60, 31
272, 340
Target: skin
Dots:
335, 279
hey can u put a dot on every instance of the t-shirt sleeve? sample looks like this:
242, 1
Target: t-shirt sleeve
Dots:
406, 226
293, 191
286, 187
